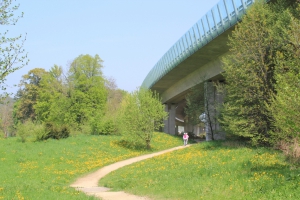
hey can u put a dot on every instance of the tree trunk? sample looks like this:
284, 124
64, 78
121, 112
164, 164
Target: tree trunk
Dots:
148, 146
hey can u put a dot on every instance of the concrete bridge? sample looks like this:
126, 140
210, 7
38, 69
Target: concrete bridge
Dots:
194, 59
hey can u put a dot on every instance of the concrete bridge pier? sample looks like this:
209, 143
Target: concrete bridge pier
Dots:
213, 99
188, 128
192, 128
169, 126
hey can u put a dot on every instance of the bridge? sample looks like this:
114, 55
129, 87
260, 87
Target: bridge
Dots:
194, 59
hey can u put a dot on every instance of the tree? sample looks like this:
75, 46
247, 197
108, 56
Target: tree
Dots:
285, 106
108, 123
88, 93
53, 102
202, 102
194, 104
28, 94
142, 114
12, 55
6, 119
250, 71
114, 97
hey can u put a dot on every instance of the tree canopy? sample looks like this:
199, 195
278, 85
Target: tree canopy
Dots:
142, 114
251, 70
13, 56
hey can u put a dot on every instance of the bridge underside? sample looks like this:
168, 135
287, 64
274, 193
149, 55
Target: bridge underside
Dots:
205, 64
201, 66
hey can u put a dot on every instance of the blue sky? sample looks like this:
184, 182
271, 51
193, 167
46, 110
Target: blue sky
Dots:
129, 35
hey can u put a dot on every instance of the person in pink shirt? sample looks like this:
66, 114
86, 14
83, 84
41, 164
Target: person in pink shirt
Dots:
185, 138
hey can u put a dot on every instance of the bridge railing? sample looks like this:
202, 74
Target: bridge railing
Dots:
221, 17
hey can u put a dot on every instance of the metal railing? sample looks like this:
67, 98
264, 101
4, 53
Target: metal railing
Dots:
221, 17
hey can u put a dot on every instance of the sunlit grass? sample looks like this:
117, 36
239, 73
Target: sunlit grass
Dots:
44, 170
210, 170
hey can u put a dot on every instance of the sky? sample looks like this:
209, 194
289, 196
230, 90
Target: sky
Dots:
130, 36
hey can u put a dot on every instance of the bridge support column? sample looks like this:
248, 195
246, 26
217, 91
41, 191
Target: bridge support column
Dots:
166, 121
212, 100
188, 128
196, 130
170, 122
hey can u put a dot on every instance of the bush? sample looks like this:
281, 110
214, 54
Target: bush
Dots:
83, 129
55, 131
24, 130
291, 150
105, 127
39, 131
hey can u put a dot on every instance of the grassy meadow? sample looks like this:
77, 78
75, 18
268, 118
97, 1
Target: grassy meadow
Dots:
44, 170
210, 170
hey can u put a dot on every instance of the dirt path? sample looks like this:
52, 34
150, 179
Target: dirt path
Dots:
89, 184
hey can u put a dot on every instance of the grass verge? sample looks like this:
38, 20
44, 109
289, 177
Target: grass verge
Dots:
210, 170
44, 170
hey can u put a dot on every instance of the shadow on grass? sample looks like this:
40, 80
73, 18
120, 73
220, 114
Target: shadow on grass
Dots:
289, 170
137, 146
231, 142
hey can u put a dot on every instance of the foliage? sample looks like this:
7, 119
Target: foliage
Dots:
250, 72
55, 131
12, 55
286, 107
102, 127
53, 102
114, 98
6, 118
142, 113
194, 104
88, 94
39, 131
29, 129
71, 99
291, 149
24, 130
44, 170
210, 170
285, 103
202, 100
27, 95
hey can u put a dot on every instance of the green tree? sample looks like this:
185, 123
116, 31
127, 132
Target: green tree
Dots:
6, 117
194, 104
114, 97
108, 124
286, 106
250, 71
88, 93
28, 94
12, 55
142, 114
53, 101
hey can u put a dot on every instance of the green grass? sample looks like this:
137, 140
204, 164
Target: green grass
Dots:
210, 170
44, 170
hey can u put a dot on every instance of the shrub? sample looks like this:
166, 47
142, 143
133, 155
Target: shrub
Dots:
191, 135
38, 131
291, 150
83, 129
55, 131
24, 130
105, 127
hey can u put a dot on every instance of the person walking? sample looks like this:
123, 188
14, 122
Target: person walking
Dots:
185, 139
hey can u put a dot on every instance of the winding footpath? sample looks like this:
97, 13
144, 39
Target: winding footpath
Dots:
89, 183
